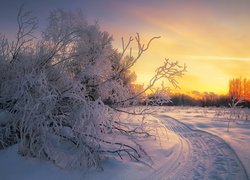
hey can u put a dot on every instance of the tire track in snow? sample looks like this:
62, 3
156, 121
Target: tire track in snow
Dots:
201, 155
174, 163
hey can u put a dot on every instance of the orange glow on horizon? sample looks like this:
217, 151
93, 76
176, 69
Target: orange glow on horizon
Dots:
211, 38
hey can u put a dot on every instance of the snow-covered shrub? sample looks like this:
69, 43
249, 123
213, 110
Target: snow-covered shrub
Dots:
63, 94
159, 97
235, 113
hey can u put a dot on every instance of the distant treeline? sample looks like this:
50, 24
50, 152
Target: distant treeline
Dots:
206, 101
239, 88
218, 101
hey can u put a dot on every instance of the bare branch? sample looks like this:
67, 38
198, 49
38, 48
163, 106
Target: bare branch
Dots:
26, 27
130, 61
58, 46
168, 71
140, 51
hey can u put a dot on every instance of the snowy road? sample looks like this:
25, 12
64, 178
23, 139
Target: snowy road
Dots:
200, 155
184, 154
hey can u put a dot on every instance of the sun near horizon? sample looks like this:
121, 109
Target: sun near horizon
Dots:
211, 38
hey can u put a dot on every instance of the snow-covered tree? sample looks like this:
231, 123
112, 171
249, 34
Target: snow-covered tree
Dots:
62, 95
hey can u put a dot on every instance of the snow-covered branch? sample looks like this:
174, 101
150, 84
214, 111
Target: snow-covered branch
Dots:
65, 93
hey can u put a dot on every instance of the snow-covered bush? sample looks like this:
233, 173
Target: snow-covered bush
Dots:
62, 95
235, 113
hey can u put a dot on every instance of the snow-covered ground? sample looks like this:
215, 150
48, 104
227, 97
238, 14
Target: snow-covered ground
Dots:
213, 121
196, 145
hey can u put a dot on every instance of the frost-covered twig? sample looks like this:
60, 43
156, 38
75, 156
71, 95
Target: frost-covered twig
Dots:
26, 27
169, 71
234, 110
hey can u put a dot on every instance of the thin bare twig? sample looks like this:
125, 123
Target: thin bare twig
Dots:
26, 27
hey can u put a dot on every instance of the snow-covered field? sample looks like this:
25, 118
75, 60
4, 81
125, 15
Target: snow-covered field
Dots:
214, 120
191, 143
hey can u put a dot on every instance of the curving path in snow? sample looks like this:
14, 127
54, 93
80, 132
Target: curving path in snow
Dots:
199, 155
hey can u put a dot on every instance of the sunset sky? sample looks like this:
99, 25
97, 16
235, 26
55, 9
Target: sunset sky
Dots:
211, 37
